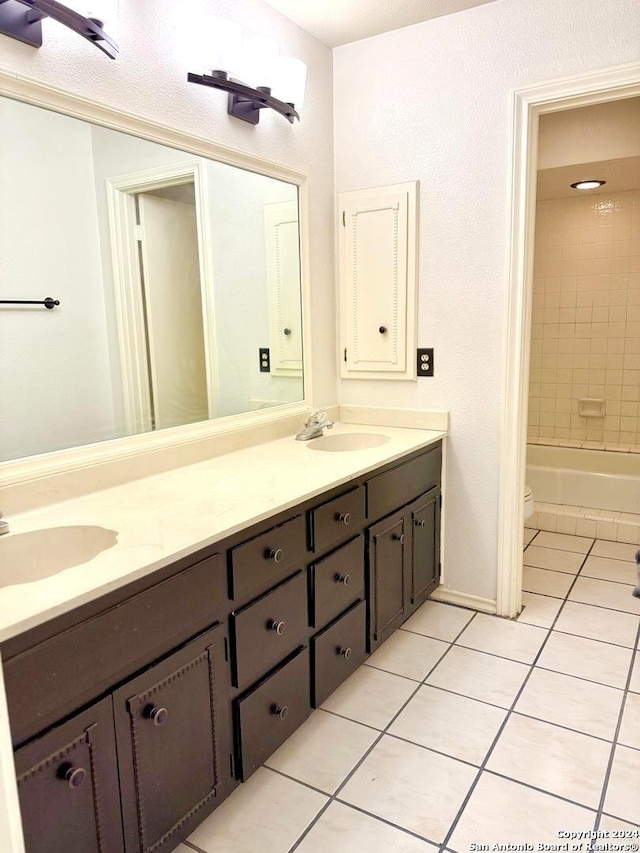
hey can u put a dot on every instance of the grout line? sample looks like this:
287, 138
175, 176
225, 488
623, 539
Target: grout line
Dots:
192, 846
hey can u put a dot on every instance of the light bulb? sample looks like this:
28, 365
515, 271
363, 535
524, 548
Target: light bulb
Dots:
588, 185
291, 78
260, 61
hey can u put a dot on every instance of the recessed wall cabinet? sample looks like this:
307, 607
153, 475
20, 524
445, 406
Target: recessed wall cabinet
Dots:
134, 716
378, 268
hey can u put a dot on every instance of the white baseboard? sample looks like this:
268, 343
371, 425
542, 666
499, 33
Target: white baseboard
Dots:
464, 599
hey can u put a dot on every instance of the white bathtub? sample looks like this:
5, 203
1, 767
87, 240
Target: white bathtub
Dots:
585, 478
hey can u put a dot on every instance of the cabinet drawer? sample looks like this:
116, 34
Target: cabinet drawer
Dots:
268, 630
260, 563
68, 786
269, 713
337, 652
336, 582
333, 522
59, 675
394, 488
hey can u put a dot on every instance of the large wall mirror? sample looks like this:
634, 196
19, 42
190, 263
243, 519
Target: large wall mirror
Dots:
177, 276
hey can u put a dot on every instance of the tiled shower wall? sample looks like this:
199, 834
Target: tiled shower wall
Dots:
586, 320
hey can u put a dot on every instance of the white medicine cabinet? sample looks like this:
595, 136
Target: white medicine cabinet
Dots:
378, 272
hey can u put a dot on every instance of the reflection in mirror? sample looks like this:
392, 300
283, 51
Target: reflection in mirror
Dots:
178, 279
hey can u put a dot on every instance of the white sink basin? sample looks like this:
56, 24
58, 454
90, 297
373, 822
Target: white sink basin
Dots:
26, 557
347, 441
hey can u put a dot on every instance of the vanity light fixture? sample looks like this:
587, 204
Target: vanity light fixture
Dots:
22, 20
257, 59
590, 184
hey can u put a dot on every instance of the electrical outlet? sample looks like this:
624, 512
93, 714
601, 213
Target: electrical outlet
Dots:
265, 360
425, 362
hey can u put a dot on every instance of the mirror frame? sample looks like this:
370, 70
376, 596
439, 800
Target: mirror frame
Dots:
28, 468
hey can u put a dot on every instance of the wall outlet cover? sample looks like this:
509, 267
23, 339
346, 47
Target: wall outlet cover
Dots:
265, 360
424, 364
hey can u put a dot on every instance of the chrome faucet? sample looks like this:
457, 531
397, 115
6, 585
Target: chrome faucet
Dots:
4, 525
314, 426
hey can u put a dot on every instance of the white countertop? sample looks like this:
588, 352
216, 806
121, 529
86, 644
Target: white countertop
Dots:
171, 515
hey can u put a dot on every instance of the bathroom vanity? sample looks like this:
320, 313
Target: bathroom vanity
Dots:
135, 712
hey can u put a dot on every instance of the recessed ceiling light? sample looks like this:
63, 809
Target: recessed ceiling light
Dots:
587, 185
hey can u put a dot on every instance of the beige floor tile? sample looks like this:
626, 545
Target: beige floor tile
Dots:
630, 729
545, 582
370, 696
564, 542
269, 812
460, 727
635, 676
616, 596
323, 750
556, 760
615, 550
342, 829
390, 783
480, 676
529, 534
623, 791
608, 822
586, 658
503, 637
407, 654
608, 569
539, 610
502, 811
581, 705
441, 621
553, 559
598, 623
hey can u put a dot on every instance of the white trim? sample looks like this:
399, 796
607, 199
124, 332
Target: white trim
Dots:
528, 104
463, 599
32, 468
384, 416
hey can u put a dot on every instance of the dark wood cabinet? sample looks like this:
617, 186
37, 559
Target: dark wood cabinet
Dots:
136, 715
68, 786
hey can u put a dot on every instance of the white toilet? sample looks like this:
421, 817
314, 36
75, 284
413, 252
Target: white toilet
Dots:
529, 506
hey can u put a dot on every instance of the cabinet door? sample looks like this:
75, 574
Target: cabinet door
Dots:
388, 577
425, 546
68, 787
172, 732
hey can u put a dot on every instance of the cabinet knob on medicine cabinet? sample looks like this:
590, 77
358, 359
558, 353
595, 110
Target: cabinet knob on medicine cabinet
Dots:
158, 716
73, 776
419, 522
275, 554
279, 627
398, 537
280, 711
286, 331
382, 330
344, 518
344, 652
343, 579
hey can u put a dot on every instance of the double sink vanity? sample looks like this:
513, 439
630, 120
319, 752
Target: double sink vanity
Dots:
160, 639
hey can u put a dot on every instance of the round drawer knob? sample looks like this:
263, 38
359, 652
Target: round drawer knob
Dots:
343, 579
73, 776
345, 652
382, 329
420, 522
286, 331
344, 518
399, 537
278, 626
280, 711
158, 716
275, 554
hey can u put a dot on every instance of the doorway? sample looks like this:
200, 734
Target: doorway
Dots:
529, 104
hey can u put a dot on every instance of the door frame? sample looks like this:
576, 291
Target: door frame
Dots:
121, 193
528, 104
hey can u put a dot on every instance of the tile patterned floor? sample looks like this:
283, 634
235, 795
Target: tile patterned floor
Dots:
467, 730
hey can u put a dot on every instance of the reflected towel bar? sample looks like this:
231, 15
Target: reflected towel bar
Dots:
48, 302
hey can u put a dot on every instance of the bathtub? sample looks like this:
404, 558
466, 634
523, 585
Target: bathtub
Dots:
584, 478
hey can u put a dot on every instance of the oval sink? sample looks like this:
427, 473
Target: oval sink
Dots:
348, 441
27, 557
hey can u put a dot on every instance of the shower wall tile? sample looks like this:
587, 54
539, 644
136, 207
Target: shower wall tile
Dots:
585, 335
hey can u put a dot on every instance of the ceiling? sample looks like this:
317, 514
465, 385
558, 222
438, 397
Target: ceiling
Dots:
621, 175
337, 22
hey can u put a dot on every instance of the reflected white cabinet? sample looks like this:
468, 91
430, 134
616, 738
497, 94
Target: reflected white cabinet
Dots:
283, 286
378, 268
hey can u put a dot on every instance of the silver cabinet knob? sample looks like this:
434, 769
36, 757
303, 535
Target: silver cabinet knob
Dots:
345, 580
420, 522
158, 716
344, 518
73, 776
275, 554
278, 626
279, 711
398, 537
345, 652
